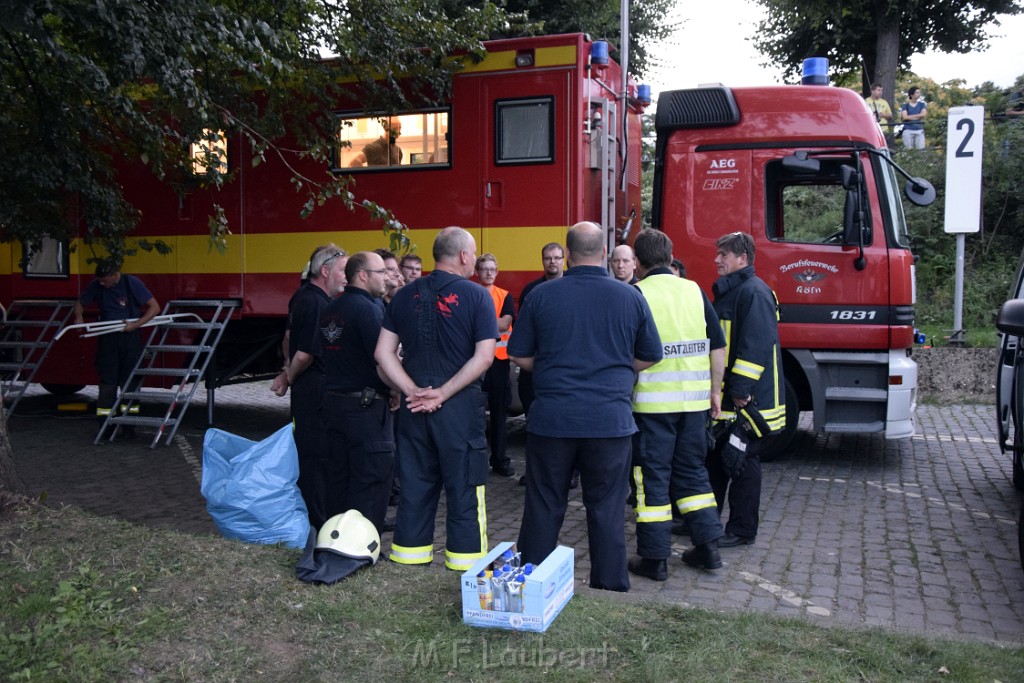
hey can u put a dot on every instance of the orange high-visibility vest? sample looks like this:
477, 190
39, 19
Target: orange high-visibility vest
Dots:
499, 294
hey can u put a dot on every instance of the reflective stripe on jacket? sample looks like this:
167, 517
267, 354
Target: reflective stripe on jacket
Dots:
749, 313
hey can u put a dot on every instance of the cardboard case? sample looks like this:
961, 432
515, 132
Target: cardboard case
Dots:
545, 593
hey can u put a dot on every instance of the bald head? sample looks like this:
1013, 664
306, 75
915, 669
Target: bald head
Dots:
622, 263
585, 244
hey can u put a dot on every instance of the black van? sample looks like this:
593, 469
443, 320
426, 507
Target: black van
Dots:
1010, 387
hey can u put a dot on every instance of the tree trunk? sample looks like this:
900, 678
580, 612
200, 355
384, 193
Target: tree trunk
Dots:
9, 479
887, 51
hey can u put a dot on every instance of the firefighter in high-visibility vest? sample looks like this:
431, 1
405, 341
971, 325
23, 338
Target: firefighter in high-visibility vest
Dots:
496, 381
671, 401
753, 395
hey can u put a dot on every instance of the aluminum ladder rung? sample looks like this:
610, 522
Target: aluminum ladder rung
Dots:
206, 336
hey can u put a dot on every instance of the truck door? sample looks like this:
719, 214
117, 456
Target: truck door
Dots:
822, 285
525, 170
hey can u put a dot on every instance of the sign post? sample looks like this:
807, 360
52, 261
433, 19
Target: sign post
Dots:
963, 193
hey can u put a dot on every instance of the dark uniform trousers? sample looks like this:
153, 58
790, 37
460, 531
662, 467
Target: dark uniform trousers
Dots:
449, 448
116, 356
603, 465
744, 491
669, 453
361, 447
499, 396
311, 443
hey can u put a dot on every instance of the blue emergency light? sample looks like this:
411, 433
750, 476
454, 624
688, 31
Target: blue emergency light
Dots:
643, 94
815, 71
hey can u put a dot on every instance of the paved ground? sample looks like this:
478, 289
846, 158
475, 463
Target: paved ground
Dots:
916, 535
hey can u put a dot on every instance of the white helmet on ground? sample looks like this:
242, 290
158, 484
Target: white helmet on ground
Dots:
350, 535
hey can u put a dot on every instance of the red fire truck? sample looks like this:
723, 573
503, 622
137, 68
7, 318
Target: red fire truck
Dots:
804, 170
534, 138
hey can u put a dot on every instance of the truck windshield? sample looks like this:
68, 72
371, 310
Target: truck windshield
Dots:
891, 203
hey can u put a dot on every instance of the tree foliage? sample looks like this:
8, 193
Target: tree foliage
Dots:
991, 255
85, 82
873, 39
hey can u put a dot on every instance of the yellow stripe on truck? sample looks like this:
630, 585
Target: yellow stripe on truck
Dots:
517, 248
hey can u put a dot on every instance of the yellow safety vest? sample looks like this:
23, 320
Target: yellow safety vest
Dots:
681, 382
501, 350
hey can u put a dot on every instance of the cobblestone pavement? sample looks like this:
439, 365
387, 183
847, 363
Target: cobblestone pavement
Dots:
916, 535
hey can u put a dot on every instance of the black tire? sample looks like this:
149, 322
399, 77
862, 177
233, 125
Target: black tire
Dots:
63, 389
777, 445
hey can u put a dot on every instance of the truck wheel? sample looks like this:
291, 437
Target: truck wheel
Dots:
776, 445
63, 389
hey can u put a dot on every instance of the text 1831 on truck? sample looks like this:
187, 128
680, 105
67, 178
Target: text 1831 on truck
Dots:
805, 171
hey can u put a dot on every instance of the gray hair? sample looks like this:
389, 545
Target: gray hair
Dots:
321, 257
449, 242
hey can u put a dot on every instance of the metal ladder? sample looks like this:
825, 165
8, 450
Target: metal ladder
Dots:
28, 331
197, 341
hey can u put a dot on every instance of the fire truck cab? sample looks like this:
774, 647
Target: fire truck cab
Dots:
804, 171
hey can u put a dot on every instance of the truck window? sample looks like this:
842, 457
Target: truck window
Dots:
381, 142
524, 131
806, 208
48, 259
209, 154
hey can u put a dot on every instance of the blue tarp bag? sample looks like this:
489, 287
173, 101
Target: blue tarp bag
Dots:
250, 488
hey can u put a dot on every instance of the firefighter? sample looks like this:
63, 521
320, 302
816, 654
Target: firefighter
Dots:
394, 273
411, 267
496, 380
671, 401
552, 257
583, 336
119, 297
623, 264
749, 313
357, 414
447, 329
304, 373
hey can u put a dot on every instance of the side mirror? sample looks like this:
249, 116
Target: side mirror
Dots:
1011, 318
919, 191
849, 178
851, 219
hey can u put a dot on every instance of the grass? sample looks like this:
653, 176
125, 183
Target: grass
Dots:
86, 598
982, 337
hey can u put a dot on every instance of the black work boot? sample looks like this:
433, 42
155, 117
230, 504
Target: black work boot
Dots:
703, 556
655, 570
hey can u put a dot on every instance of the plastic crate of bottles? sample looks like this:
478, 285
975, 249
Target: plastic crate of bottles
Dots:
502, 592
